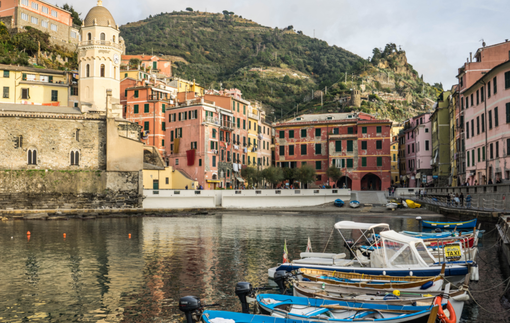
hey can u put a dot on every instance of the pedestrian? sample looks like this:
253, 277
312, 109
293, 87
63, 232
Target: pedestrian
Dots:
456, 199
186, 186
461, 198
468, 200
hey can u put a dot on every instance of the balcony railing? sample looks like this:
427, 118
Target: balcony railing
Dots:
253, 116
101, 43
227, 124
213, 120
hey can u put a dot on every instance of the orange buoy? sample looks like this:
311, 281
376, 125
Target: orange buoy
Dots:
130, 236
28, 233
64, 235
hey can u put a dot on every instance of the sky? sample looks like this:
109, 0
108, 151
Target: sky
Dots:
437, 35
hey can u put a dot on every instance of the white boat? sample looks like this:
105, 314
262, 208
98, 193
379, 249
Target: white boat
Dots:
395, 255
354, 204
391, 206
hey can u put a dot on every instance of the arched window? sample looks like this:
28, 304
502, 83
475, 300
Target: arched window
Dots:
32, 157
89, 36
114, 38
87, 70
103, 36
102, 70
75, 158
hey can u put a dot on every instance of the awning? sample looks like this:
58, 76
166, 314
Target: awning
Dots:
213, 181
240, 179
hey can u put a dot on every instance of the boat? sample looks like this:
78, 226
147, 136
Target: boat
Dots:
396, 255
412, 204
388, 296
429, 235
449, 225
339, 203
404, 204
392, 206
302, 309
373, 282
354, 204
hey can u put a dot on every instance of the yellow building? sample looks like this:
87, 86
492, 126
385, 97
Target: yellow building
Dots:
187, 86
395, 178
134, 74
167, 179
253, 138
29, 85
453, 142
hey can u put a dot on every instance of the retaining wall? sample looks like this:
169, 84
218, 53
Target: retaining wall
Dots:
242, 198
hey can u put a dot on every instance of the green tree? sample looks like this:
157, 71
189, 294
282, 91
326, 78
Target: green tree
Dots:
306, 174
334, 173
273, 175
189, 9
251, 174
134, 62
289, 174
76, 16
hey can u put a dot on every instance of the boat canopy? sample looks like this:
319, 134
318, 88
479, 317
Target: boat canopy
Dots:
345, 225
401, 251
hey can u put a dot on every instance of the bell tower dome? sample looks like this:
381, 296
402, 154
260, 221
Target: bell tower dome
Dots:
99, 57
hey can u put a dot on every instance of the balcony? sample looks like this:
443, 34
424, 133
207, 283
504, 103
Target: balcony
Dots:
212, 120
228, 125
100, 43
253, 116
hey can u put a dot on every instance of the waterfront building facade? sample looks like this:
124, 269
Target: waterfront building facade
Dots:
395, 176
423, 136
357, 143
440, 122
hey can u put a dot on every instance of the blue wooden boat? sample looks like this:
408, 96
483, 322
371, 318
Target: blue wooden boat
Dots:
339, 203
354, 204
303, 309
428, 235
450, 225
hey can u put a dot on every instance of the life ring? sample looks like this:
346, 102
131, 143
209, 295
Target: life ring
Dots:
440, 313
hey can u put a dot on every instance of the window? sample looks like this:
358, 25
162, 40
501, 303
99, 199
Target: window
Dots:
338, 146
291, 133
146, 108
491, 151
193, 145
163, 142
163, 126
146, 125
32, 157
483, 122
363, 129
282, 150
349, 163
87, 70
244, 124
24, 16
477, 97
462, 103
163, 109
303, 133
6, 74
75, 158
473, 157
102, 70
317, 132
363, 161
154, 64
74, 91
54, 13
34, 20
177, 160
496, 118
25, 94
291, 150
507, 80
350, 130
53, 27
497, 149
54, 96
472, 127
364, 145
24, 2
494, 81
136, 108
379, 129
478, 150
378, 144
213, 161
303, 150
490, 119
427, 145
136, 93
6, 92
318, 164
379, 161
282, 133
349, 145
483, 153
45, 10
318, 149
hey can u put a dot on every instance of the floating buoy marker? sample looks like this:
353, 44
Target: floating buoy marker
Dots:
129, 236
64, 235
28, 235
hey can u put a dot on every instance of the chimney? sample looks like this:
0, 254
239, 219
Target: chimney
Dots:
470, 57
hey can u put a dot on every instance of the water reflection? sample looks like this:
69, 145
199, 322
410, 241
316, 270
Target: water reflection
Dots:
98, 273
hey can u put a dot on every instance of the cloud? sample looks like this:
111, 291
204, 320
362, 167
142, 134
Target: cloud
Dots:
437, 35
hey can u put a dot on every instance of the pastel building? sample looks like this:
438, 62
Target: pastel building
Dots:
357, 143
440, 121
149, 63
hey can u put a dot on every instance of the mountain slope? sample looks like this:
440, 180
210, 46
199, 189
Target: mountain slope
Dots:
279, 67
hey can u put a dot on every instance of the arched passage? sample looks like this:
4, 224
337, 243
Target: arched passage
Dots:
370, 182
344, 180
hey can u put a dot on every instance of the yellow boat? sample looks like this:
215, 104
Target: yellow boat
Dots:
413, 205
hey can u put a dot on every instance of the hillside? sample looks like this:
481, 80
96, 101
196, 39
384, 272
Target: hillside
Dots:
280, 67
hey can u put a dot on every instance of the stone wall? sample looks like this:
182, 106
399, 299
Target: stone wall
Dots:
61, 189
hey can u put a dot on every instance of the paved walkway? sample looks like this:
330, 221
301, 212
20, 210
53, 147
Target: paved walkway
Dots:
369, 197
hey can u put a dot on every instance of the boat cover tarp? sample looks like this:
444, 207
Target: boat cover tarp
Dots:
345, 225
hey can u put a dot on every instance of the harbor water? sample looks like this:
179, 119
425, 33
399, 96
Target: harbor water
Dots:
136, 269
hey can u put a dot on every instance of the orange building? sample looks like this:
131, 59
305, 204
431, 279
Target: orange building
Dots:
154, 64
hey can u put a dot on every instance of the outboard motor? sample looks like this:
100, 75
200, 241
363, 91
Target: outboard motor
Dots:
279, 278
244, 289
438, 230
190, 305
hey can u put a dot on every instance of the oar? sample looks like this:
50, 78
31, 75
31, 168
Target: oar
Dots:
341, 307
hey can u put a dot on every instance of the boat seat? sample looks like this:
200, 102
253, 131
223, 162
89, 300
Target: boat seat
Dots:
322, 255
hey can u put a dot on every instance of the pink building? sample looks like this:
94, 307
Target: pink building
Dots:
416, 151
487, 126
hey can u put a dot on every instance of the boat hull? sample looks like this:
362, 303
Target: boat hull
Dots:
449, 225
